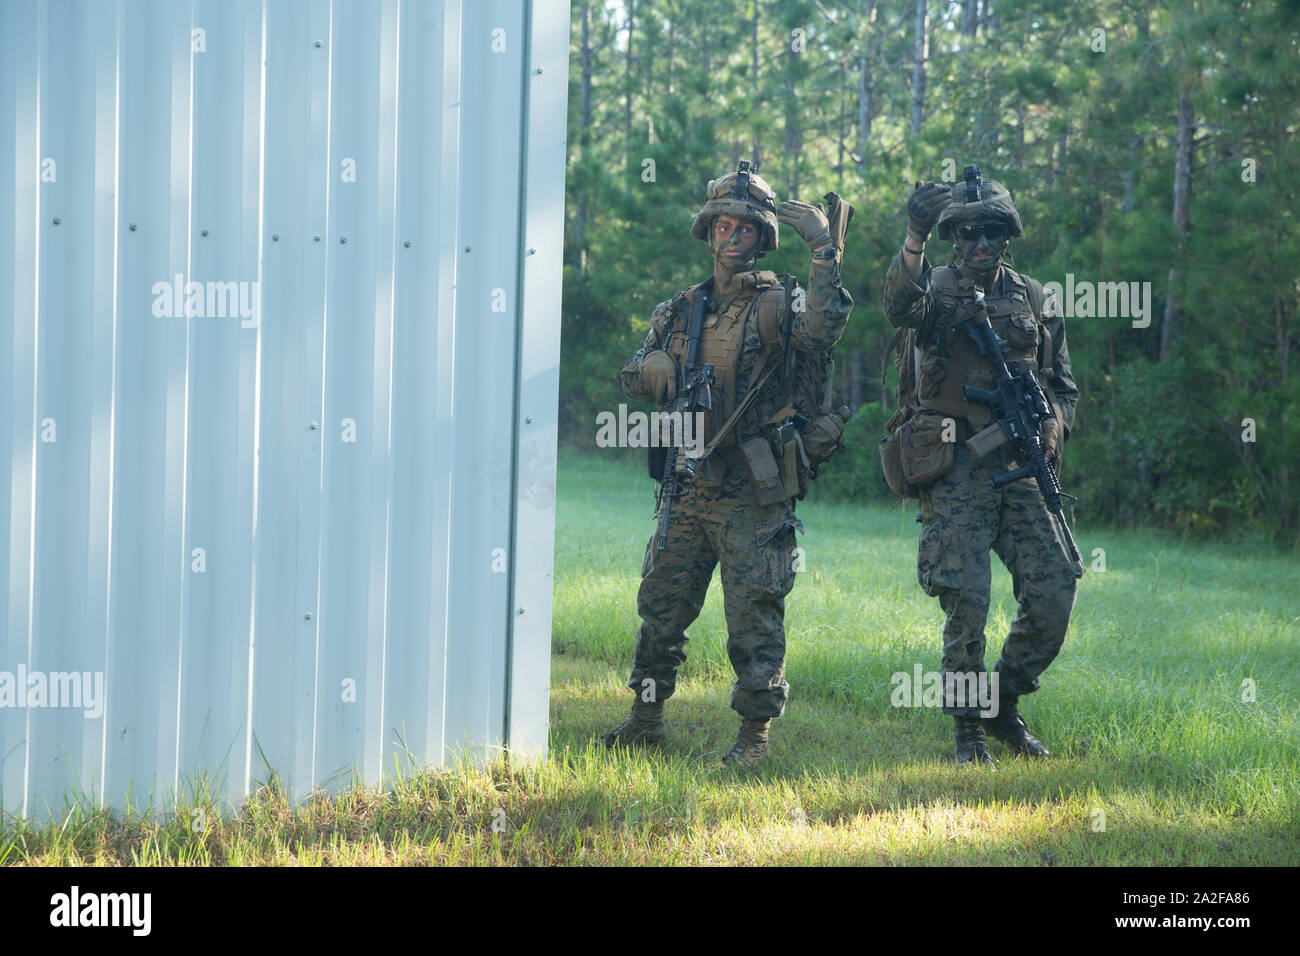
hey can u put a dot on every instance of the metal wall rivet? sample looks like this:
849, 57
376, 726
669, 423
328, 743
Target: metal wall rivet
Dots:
467, 248
203, 233
307, 616
57, 220
131, 227
521, 610
406, 244
275, 237
315, 425
316, 238
539, 71
318, 44
532, 251
343, 240
528, 420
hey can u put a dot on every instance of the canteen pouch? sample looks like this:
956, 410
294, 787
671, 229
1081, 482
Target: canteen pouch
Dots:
763, 468
926, 456
822, 437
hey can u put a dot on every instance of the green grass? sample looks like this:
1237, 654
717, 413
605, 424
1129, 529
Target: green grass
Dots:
1143, 711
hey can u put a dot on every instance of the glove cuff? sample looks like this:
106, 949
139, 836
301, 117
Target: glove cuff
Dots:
824, 241
916, 235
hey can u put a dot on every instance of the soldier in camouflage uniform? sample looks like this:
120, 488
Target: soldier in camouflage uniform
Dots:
961, 516
738, 510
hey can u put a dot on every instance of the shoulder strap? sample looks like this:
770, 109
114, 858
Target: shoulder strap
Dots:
1034, 290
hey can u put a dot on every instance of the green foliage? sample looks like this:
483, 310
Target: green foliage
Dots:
1085, 139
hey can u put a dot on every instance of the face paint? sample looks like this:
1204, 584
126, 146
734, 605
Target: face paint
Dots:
980, 255
732, 243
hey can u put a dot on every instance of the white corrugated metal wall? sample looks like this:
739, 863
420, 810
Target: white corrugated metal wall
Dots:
312, 538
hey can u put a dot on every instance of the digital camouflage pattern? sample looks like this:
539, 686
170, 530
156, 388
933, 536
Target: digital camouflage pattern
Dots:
994, 203
720, 523
759, 204
962, 518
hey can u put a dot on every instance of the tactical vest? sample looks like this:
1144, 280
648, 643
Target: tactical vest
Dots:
733, 341
950, 360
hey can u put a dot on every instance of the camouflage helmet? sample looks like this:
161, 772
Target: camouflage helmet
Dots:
745, 194
994, 203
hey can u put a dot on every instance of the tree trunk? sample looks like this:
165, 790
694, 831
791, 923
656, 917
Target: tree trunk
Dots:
580, 209
857, 376
864, 112
672, 48
969, 16
627, 77
866, 87
1130, 174
839, 127
1182, 219
920, 50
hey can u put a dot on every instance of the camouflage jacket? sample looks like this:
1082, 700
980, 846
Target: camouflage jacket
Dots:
923, 306
816, 320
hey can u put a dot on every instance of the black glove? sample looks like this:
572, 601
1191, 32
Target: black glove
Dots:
923, 208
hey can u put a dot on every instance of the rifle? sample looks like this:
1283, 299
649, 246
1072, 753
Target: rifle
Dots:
694, 393
1019, 406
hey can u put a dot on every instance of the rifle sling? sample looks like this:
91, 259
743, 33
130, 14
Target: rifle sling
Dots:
766, 369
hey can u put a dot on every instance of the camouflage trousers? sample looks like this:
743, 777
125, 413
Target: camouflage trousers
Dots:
719, 523
962, 518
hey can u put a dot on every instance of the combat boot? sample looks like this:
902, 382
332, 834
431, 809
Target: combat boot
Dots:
1009, 727
972, 747
751, 743
644, 727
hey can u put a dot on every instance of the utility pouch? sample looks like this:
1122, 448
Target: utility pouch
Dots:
987, 440
762, 465
891, 454
926, 456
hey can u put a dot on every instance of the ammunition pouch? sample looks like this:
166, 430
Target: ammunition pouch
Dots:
656, 461
764, 469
